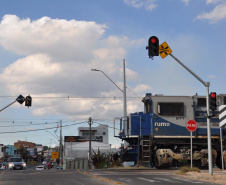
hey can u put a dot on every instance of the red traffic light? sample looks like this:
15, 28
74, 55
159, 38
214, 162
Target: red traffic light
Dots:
153, 46
213, 95
153, 40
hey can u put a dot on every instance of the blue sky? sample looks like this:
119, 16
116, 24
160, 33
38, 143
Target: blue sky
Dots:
47, 49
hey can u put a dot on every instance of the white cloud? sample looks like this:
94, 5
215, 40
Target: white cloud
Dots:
217, 14
57, 58
57, 37
212, 76
213, 1
186, 2
147, 4
142, 88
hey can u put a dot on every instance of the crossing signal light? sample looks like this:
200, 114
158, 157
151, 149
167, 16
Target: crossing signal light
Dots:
213, 101
153, 46
28, 101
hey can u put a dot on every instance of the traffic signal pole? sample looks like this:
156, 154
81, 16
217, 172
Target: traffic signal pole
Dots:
7, 106
90, 138
206, 84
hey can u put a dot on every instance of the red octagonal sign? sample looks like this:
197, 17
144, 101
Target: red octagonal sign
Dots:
191, 125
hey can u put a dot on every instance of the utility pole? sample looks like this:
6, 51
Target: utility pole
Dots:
61, 153
90, 121
124, 98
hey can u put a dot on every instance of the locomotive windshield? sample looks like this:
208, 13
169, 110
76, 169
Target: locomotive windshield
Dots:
171, 109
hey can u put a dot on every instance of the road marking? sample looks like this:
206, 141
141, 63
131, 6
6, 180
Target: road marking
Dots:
149, 180
168, 180
73, 180
141, 173
188, 180
127, 180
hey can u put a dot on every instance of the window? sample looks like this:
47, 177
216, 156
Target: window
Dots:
201, 102
171, 109
86, 132
16, 159
104, 133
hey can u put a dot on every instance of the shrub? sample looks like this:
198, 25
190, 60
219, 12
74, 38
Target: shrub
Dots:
186, 169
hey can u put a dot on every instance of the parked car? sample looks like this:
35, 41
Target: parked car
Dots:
44, 162
16, 163
41, 167
2, 166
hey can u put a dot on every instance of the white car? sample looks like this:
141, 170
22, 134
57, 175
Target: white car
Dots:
44, 162
40, 167
2, 166
16, 163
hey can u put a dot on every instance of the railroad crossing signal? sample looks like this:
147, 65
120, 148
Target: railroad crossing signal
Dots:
153, 46
164, 50
213, 101
28, 101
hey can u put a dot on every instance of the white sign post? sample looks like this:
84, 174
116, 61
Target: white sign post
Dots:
191, 126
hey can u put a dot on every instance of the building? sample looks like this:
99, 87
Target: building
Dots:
27, 149
12, 151
96, 133
3, 154
77, 147
25, 144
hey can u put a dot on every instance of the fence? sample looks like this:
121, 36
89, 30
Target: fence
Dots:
76, 163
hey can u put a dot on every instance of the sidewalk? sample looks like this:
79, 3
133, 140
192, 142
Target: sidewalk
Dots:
218, 177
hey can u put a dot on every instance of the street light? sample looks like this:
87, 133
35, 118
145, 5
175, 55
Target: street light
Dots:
123, 91
108, 78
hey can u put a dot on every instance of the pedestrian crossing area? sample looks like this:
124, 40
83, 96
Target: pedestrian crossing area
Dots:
146, 178
160, 180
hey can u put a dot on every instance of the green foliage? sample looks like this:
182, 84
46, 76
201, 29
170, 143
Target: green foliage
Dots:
101, 160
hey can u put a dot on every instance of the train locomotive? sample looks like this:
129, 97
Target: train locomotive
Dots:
158, 136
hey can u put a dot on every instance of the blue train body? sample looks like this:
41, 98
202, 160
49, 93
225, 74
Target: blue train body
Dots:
159, 136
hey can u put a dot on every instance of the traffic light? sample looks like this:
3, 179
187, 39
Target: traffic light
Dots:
153, 46
28, 101
213, 101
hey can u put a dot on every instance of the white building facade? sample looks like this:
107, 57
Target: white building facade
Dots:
96, 133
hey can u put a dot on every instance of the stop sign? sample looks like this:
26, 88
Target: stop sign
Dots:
191, 125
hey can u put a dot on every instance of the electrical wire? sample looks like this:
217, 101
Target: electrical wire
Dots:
21, 131
72, 98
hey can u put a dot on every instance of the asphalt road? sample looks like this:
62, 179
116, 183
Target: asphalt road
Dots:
144, 177
48, 177
93, 177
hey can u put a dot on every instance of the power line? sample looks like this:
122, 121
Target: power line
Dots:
31, 124
102, 124
21, 131
34, 124
71, 98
